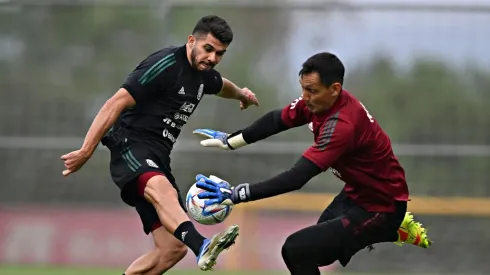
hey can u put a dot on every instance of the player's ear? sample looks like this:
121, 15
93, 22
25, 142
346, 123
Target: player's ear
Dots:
191, 40
336, 88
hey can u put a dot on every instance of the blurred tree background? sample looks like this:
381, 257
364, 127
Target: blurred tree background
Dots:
58, 64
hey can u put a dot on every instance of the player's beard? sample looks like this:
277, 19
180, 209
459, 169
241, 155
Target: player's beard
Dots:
195, 63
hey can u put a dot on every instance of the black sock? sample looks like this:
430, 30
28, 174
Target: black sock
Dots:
187, 233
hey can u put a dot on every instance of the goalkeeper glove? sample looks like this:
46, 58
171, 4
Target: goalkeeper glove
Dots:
220, 140
219, 191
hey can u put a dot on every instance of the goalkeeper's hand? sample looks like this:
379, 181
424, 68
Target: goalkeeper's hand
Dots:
219, 139
219, 191
213, 138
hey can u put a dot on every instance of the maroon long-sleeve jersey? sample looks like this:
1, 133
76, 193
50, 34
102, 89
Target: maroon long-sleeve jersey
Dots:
351, 144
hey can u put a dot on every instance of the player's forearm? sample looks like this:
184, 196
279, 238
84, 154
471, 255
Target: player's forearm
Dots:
288, 181
104, 120
264, 127
231, 90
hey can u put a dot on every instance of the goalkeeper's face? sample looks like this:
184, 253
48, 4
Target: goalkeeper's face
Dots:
317, 96
206, 51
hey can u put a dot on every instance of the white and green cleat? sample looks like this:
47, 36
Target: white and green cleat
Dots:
211, 248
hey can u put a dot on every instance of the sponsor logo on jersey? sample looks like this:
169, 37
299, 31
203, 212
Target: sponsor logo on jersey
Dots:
335, 172
182, 117
167, 134
188, 107
310, 126
182, 91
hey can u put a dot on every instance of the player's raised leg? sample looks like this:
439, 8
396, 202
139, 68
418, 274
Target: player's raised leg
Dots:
318, 245
167, 252
412, 232
164, 198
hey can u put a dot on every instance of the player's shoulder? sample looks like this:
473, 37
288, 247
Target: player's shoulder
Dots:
351, 107
356, 114
211, 74
168, 57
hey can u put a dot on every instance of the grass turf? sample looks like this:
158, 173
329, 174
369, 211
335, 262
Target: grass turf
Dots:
33, 270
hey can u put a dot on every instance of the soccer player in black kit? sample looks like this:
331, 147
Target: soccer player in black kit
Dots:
349, 142
140, 124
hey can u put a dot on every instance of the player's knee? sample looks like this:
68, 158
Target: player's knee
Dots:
158, 188
170, 256
290, 248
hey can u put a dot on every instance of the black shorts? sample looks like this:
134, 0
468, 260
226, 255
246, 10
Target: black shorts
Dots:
129, 160
355, 228
343, 229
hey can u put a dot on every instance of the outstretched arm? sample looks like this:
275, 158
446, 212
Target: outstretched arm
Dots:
334, 140
139, 86
214, 84
274, 122
266, 126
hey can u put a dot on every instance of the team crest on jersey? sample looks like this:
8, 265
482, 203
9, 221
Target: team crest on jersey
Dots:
151, 163
199, 93
187, 107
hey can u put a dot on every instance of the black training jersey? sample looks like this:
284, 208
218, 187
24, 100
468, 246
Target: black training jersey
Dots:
167, 90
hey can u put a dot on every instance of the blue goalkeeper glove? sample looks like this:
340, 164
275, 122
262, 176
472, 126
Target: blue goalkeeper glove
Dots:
219, 139
219, 191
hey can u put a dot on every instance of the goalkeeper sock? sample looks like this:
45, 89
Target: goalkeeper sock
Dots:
187, 233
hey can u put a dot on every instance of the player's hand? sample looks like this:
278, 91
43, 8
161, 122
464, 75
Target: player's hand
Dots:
213, 138
74, 161
219, 191
248, 98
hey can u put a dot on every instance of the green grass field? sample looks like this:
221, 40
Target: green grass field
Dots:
14, 270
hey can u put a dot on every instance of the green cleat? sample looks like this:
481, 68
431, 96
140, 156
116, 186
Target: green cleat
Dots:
412, 232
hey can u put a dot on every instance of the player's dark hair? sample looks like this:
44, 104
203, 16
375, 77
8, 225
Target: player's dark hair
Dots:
327, 65
216, 26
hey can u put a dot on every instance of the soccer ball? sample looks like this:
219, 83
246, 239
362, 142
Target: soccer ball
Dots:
208, 215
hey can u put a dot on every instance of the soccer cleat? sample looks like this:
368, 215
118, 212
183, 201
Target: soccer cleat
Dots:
412, 232
211, 248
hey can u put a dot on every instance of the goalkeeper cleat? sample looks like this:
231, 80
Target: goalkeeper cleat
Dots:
211, 248
412, 232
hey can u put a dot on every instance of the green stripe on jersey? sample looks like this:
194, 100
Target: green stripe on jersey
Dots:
157, 68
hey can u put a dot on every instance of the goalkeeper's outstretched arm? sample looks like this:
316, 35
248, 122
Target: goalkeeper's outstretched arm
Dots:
266, 126
318, 158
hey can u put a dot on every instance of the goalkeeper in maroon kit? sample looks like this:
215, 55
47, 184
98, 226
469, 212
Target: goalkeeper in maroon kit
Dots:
349, 142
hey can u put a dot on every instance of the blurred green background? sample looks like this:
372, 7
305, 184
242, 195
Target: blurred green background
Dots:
422, 72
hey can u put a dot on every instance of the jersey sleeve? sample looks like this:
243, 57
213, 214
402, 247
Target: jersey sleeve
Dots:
153, 75
335, 138
295, 114
213, 83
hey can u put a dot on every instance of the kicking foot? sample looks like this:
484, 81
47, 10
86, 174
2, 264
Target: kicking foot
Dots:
211, 248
